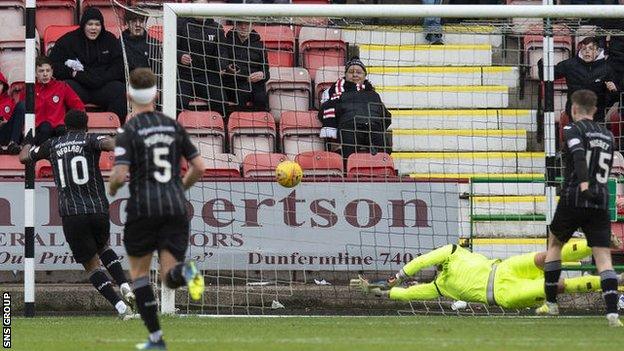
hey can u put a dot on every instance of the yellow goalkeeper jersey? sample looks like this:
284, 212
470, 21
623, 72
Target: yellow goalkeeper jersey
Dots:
464, 276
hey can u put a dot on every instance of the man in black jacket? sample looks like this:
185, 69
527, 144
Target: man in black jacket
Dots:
141, 51
247, 69
589, 70
90, 60
200, 62
354, 113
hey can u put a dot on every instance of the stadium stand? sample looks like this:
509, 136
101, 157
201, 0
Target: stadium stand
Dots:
280, 44
103, 122
319, 47
324, 78
262, 164
288, 89
251, 132
299, 131
43, 170
107, 161
222, 165
10, 166
55, 12
367, 165
320, 164
53, 33
11, 13
206, 130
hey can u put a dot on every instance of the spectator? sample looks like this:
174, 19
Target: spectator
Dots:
588, 70
53, 99
138, 48
247, 69
354, 113
200, 45
11, 119
90, 60
433, 25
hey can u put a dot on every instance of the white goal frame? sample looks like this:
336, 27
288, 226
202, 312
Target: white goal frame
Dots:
172, 10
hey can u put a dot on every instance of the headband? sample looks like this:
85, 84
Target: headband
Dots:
142, 96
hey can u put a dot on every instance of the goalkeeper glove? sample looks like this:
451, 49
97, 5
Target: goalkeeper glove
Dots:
366, 287
589, 196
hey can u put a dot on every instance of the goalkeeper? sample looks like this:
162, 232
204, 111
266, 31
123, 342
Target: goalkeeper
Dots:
516, 282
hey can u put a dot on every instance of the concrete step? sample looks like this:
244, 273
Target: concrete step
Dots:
507, 205
469, 162
453, 34
508, 229
506, 247
426, 55
426, 75
467, 176
444, 97
459, 140
464, 119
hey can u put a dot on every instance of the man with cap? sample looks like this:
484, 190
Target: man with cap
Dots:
90, 60
353, 113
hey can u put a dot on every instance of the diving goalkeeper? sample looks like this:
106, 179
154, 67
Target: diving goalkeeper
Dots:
516, 282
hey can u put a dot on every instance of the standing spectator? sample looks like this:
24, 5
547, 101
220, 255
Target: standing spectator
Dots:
135, 41
53, 99
90, 60
11, 119
200, 42
247, 69
433, 25
589, 70
354, 113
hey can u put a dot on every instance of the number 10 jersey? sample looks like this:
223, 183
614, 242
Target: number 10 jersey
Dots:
75, 158
152, 144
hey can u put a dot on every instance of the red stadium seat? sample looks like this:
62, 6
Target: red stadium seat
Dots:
367, 165
156, 32
10, 166
319, 47
43, 169
222, 165
251, 132
280, 44
103, 122
11, 14
288, 89
533, 48
54, 33
107, 161
299, 131
206, 130
55, 12
320, 163
261, 164
324, 78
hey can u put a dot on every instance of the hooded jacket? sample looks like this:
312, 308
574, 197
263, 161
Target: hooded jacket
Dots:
203, 40
588, 75
249, 56
102, 58
352, 104
7, 104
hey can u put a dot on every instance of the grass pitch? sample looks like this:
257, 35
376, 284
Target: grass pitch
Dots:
322, 333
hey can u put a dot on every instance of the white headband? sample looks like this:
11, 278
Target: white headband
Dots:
142, 96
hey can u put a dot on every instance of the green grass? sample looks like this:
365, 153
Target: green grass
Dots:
413, 333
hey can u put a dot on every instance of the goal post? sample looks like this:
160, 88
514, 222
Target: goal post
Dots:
500, 122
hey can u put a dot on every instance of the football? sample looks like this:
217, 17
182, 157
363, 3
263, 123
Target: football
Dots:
288, 174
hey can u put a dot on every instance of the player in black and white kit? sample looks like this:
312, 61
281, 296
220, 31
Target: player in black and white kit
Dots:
83, 206
150, 147
588, 153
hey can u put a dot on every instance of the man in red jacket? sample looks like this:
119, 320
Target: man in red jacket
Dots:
11, 119
53, 99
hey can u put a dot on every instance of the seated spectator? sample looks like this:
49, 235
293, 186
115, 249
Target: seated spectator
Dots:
354, 114
90, 60
589, 70
11, 119
138, 48
200, 42
53, 99
247, 69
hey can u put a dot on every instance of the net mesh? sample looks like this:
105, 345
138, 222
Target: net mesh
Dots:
466, 144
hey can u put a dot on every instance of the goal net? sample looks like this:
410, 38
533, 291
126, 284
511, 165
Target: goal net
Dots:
444, 144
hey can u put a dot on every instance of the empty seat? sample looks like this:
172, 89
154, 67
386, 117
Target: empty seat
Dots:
319, 47
206, 130
107, 161
251, 132
367, 165
11, 14
262, 164
55, 12
288, 89
324, 78
54, 33
299, 131
320, 163
280, 44
43, 169
10, 166
222, 165
103, 122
